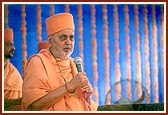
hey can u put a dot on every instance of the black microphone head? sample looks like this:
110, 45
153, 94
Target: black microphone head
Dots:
78, 60
78, 63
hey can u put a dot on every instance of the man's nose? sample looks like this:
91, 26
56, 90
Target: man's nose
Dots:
68, 41
13, 47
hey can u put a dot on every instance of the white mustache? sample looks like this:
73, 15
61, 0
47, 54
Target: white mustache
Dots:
68, 47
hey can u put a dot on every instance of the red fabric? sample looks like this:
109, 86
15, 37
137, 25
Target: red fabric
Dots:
8, 34
43, 45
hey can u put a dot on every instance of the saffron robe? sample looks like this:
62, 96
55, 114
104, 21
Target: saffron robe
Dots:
12, 82
12, 88
43, 75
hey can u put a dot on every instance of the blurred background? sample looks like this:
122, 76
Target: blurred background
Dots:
119, 44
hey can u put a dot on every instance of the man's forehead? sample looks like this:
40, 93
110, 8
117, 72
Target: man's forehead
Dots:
64, 34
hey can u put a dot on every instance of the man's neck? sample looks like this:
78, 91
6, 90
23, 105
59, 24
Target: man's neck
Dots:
5, 61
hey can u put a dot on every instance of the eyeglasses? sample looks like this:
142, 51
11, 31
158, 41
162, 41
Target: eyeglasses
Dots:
9, 44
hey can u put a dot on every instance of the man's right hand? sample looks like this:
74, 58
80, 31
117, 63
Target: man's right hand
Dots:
79, 80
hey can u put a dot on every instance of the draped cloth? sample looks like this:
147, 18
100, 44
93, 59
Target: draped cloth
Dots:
12, 82
12, 88
43, 75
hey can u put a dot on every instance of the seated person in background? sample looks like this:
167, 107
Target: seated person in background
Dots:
12, 78
43, 45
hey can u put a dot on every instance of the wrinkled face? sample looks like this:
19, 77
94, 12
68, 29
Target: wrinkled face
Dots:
62, 43
9, 49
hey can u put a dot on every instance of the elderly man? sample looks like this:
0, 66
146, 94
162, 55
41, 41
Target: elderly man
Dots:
52, 82
12, 78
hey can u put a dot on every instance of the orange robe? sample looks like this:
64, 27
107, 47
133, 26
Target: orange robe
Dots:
12, 88
12, 82
43, 75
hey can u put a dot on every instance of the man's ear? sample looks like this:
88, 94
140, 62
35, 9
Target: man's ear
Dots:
49, 40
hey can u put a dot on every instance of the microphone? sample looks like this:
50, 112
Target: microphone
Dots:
78, 63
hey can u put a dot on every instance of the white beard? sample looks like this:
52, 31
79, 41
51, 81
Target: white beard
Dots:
62, 54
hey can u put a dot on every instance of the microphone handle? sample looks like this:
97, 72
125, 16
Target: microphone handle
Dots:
79, 67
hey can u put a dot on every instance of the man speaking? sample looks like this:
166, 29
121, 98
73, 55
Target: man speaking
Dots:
52, 82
